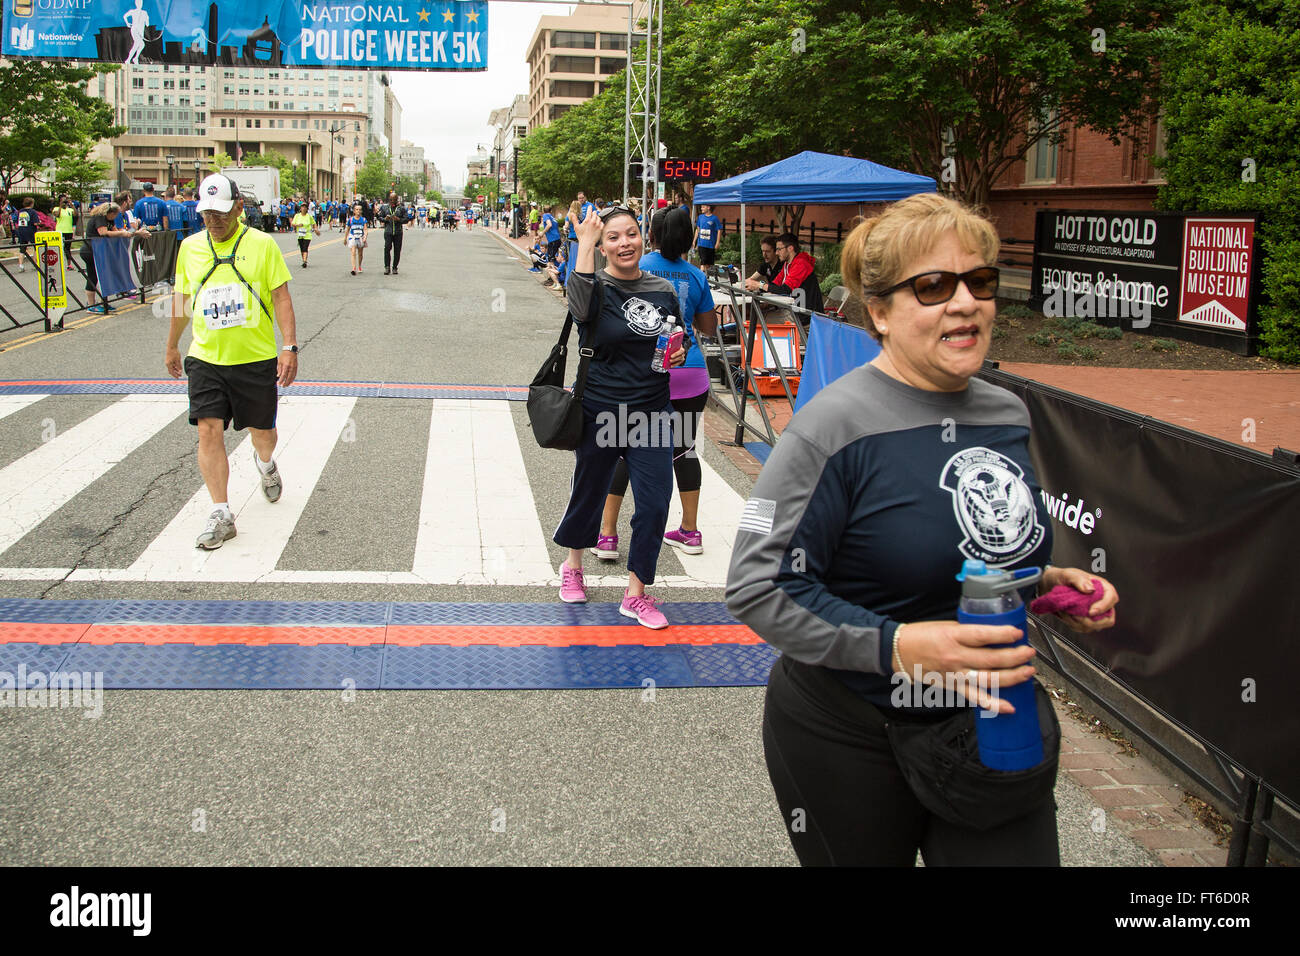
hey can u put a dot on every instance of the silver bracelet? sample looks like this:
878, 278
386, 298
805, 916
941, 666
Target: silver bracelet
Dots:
897, 656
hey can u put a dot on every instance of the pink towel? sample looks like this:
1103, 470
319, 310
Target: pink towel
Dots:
1065, 599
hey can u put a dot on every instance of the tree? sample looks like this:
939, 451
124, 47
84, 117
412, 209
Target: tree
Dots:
219, 162
582, 149
47, 117
434, 195
912, 83
407, 186
1231, 113
79, 177
375, 174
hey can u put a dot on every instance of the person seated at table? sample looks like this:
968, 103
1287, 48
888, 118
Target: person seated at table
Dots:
797, 277
768, 267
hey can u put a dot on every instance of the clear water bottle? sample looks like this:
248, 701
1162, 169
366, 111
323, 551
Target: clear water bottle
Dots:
661, 360
991, 597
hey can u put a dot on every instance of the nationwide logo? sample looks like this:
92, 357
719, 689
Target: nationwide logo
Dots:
1073, 514
22, 38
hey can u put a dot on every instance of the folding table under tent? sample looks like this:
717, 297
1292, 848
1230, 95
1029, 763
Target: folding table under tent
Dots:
807, 177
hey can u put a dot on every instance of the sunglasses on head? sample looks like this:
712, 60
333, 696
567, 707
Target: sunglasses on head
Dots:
608, 211
935, 288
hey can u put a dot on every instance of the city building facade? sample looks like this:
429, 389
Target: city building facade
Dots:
571, 57
180, 117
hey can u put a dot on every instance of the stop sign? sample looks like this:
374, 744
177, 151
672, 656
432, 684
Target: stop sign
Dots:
51, 257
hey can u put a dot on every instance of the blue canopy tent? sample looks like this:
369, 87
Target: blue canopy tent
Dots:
810, 177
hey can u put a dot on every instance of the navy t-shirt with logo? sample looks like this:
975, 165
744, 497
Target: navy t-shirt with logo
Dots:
624, 334
865, 511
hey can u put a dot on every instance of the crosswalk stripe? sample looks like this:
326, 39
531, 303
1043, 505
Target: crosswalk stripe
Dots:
478, 519
16, 403
478, 522
44, 480
308, 427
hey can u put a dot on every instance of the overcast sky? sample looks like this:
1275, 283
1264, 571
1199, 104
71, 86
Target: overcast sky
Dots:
447, 113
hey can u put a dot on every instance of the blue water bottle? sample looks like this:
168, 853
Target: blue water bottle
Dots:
1006, 741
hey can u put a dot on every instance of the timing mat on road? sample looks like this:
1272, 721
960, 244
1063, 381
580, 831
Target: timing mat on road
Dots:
168, 386
281, 645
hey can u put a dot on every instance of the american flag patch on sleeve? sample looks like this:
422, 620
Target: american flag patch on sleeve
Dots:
758, 516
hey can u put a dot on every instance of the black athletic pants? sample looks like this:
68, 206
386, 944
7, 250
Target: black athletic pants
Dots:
393, 247
844, 800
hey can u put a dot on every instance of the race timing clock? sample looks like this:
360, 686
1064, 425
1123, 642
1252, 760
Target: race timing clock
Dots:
695, 170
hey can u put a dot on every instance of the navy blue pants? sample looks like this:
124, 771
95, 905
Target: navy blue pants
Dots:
650, 470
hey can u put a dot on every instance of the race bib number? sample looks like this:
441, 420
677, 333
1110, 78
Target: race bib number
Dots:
225, 307
706, 233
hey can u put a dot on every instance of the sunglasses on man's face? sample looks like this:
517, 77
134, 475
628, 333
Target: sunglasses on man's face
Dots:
936, 288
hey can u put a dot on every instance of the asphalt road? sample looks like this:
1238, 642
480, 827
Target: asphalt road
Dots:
407, 777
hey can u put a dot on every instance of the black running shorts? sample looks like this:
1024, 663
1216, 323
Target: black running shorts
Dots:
706, 255
303, 244
245, 393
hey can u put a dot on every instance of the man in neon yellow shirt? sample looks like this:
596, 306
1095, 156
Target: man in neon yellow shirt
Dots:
238, 283
305, 223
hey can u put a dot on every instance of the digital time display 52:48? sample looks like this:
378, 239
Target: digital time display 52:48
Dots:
692, 169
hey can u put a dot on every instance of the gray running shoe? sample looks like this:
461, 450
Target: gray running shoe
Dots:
216, 532
271, 485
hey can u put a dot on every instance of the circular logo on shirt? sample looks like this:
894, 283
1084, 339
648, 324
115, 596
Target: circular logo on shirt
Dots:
993, 505
643, 317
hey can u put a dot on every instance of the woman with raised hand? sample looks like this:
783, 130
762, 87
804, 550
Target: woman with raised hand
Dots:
620, 312
688, 385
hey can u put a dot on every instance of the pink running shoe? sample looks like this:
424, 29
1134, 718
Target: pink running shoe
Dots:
606, 547
691, 542
644, 610
572, 589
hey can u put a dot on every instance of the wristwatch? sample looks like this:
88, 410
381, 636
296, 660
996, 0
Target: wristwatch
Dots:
290, 348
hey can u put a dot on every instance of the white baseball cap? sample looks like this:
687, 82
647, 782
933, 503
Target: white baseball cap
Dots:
217, 193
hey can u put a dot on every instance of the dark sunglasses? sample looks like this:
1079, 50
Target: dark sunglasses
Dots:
610, 210
935, 288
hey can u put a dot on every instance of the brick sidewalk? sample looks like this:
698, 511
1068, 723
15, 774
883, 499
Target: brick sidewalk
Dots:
1214, 403
1146, 804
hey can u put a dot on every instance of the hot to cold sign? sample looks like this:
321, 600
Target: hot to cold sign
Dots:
1215, 287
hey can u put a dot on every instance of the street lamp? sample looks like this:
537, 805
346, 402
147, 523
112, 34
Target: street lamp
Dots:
197, 166
171, 165
335, 129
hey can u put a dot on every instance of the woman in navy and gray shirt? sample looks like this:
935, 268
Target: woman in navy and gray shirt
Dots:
620, 312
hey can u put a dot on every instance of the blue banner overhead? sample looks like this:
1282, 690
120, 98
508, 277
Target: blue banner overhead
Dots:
386, 34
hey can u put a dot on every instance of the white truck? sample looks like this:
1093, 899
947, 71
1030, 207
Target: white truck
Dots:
262, 181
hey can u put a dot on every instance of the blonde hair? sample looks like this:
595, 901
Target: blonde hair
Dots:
106, 209
575, 208
878, 250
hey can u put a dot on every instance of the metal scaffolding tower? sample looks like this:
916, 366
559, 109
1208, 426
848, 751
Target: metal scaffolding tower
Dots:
641, 119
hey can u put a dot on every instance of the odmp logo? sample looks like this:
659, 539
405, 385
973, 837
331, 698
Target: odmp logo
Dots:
1073, 514
22, 38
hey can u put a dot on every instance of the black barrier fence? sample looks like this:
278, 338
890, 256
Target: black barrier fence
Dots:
1199, 538
145, 261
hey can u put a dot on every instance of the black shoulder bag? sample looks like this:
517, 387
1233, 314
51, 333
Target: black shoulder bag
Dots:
554, 412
